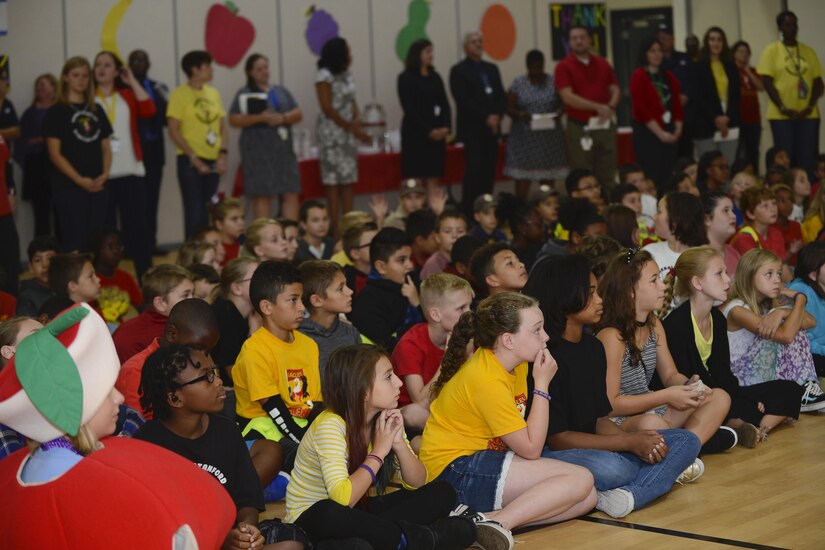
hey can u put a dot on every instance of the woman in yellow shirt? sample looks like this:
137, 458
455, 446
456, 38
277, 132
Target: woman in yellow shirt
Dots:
476, 437
343, 455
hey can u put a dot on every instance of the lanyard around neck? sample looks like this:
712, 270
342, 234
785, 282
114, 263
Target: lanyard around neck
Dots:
111, 111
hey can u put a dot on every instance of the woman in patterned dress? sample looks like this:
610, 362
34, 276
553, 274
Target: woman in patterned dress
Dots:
338, 126
534, 155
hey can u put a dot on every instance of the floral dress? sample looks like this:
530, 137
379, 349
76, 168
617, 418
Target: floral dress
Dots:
535, 154
337, 149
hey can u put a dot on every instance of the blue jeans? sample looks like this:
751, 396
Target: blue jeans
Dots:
478, 479
646, 482
801, 139
196, 193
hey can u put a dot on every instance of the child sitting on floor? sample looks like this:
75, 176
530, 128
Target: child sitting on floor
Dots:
496, 268
72, 279
420, 231
35, 291
412, 199
356, 247
265, 241
228, 219
315, 242
810, 280
486, 226
107, 249
205, 280
449, 227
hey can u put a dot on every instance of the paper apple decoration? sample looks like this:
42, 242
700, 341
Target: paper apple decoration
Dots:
321, 26
228, 35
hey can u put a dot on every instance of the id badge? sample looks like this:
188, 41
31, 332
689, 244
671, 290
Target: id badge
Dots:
211, 138
114, 144
283, 133
666, 117
587, 143
437, 110
802, 89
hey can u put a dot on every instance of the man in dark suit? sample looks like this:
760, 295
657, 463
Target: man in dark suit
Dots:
151, 140
480, 102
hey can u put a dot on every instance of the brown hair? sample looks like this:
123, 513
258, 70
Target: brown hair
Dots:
62, 89
66, 268
51, 79
317, 275
233, 272
743, 287
752, 197
161, 280
221, 210
253, 235
193, 252
352, 236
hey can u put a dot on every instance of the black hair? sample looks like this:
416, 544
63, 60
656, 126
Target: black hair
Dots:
306, 205
464, 248
561, 284
481, 262
702, 170
250, 62
619, 192
386, 243
413, 59
770, 155
571, 182
626, 169
194, 59
588, 30
740, 164
514, 210
43, 243
420, 223
737, 44
673, 181
157, 379
644, 47
96, 238
683, 162
811, 258
710, 200
686, 216
270, 279
621, 223
598, 250
193, 318
334, 55
576, 215
704, 53
204, 272
780, 19
534, 56
66, 268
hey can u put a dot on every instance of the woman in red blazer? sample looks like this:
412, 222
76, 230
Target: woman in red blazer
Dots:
124, 100
657, 114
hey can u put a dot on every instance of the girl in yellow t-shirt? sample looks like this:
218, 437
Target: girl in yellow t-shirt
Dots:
476, 437
358, 442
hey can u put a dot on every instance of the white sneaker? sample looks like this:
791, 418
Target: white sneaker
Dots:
692, 472
813, 399
616, 503
490, 535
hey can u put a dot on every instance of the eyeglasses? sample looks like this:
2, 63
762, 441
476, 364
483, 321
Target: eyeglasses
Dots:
591, 187
209, 376
365, 245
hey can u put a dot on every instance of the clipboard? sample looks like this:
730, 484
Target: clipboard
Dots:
543, 121
253, 103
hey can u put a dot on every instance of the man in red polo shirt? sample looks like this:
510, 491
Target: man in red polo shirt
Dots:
588, 87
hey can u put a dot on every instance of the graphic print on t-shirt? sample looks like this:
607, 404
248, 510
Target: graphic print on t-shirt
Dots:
298, 392
205, 111
85, 126
496, 444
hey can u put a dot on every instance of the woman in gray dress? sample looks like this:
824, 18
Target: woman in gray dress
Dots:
338, 127
266, 114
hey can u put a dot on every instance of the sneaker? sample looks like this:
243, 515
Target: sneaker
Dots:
813, 399
276, 490
490, 535
725, 438
692, 472
616, 503
748, 435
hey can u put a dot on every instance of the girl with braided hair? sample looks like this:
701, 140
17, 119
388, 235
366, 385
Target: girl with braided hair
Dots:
636, 348
477, 438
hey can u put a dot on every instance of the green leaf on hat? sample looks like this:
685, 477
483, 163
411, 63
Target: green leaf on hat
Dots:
49, 375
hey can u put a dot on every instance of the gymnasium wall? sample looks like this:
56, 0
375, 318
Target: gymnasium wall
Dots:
42, 33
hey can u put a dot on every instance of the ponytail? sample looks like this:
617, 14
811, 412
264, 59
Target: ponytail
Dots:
670, 292
456, 353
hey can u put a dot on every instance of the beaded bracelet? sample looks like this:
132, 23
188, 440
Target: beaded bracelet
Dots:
542, 394
369, 471
376, 457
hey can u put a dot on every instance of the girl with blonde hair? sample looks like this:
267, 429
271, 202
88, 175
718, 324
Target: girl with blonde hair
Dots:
265, 240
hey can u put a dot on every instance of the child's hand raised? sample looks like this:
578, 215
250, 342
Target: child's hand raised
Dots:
409, 291
544, 368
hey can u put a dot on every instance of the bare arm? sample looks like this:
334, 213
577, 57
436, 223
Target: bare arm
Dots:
324, 92
418, 391
528, 442
12, 132
174, 132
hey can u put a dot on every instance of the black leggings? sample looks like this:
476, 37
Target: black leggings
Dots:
378, 523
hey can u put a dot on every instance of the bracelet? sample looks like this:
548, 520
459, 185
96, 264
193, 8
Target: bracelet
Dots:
369, 471
376, 457
542, 394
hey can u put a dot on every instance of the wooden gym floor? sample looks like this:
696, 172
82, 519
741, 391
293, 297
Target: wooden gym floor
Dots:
769, 497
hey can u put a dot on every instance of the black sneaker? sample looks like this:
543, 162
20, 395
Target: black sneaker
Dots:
453, 532
490, 535
725, 438
813, 399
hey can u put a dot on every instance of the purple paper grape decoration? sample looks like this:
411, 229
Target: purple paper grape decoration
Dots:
320, 28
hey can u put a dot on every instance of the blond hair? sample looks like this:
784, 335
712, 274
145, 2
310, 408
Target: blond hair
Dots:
817, 206
743, 287
162, 279
221, 210
253, 235
437, 286
352, 218
693, 262
193, 252
233, 272
62, 89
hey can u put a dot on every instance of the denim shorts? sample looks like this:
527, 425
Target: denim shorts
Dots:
478, 479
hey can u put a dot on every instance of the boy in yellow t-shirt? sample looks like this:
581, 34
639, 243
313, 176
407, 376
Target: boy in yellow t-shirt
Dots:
277, 381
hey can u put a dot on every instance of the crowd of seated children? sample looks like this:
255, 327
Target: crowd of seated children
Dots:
496, 268
181, 387
107, 250
412, 198
198, 252
417, 357
545, 199
163, 286
633, 174
348, 220
228, 221
683, 183
315, 242
356, 248
210, 235
34, 292
759, 230
450, 225
191, 322
486, 224
768, 342
420, 230
265, 241
72, 279
636, 348
277, 382
720, 224
810, 280
680, 224
698, 341
326, 298
526, 227
580, 218
740, 182
389, 303
630, 469
204, 280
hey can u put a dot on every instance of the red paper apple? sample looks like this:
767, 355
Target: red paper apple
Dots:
228, 35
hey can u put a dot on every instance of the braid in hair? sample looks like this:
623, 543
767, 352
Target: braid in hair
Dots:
670, 292
456, 353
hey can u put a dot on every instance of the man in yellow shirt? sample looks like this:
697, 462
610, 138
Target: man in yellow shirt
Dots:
197, 125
